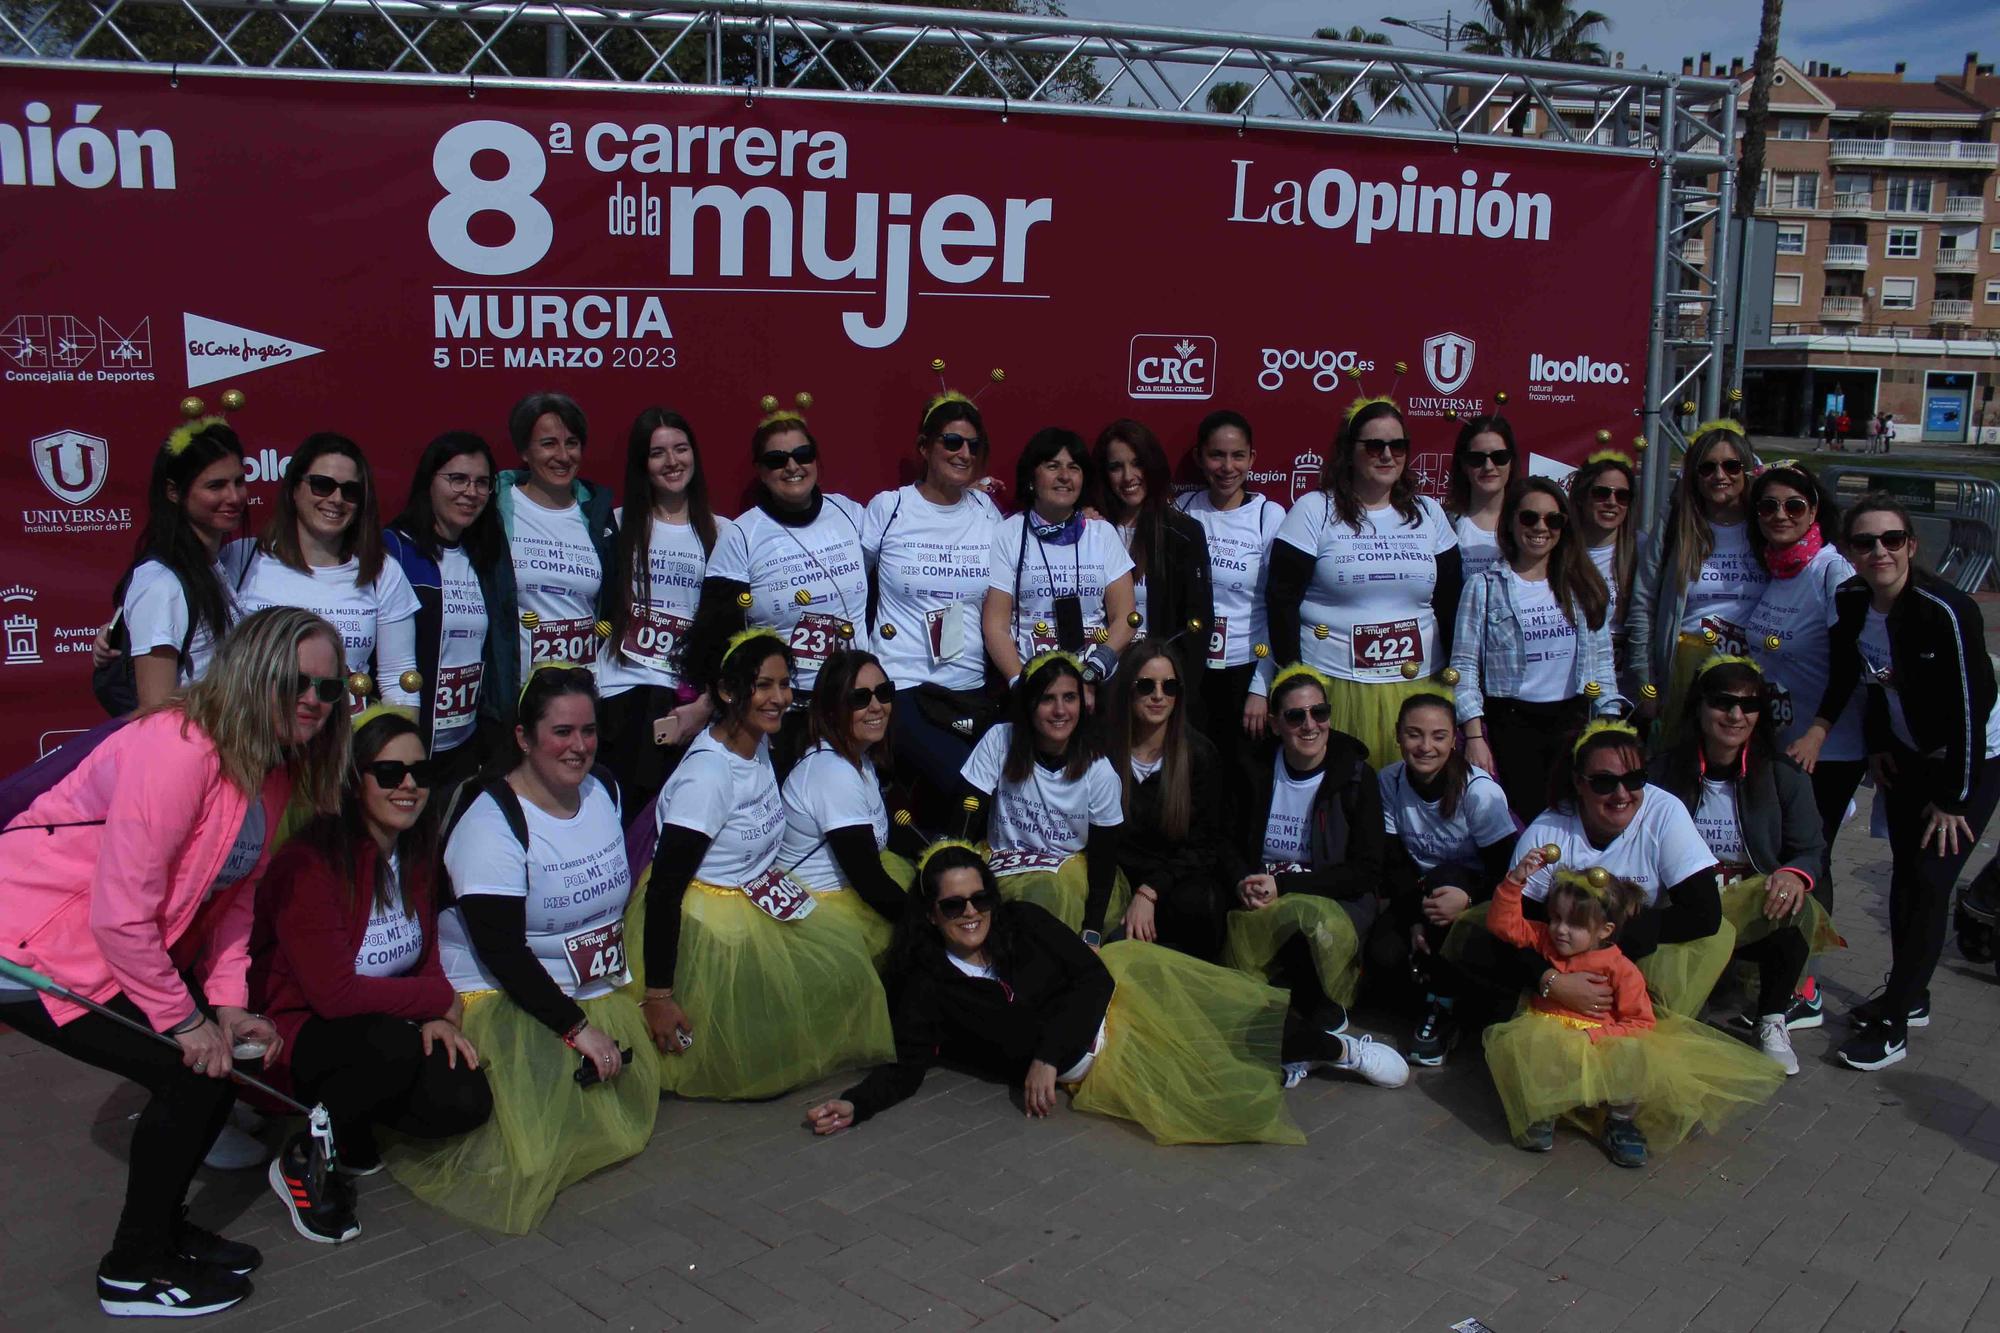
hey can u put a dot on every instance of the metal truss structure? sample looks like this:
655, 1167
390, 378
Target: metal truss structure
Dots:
1683, 126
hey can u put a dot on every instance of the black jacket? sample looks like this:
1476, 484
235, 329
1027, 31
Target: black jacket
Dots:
1348, 843
1190, 873
1774, 806
1938, 660
1179, 590
1048, 1008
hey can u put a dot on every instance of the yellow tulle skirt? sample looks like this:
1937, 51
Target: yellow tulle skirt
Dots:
1689, 653
1470, 922
1255, 937
773, 1005
1190, 1051
1681, 1075
1680, 976
1743, 908
852, 911
546, 1133
1366, 710
1063, 892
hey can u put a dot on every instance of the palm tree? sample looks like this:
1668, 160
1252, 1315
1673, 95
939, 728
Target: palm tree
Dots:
1380, 90
1228, 99
1537, 30
1758, 113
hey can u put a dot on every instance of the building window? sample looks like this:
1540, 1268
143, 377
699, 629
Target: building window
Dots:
1853, 182
1786, 288
1798, 190
1792, 238
1995, 242
1905, 243
1899, 293
1794, 127
1993, 291
1909, 194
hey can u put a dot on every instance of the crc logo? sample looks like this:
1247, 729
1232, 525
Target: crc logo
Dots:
1172, 365
71, 464
1576, 370
1448, 360
1326, 366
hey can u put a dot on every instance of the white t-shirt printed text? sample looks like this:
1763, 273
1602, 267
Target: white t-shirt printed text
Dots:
734, 801
1046, 811
1239, 554
1371, 589
821, 559
1658, 849
557, 575
931, 565
824, 792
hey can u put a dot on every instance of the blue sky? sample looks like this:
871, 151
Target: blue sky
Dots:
1932, 35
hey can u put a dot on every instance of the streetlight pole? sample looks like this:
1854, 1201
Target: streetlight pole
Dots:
1446, 32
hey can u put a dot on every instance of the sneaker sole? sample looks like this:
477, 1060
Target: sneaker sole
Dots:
1890, 1058
1917, 1021
1812, 1020
284, 1193
1426, 1061
129, 1307
360, 1172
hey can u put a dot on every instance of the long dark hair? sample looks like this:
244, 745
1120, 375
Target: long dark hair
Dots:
1458, 488
1082, 750
1149, 523
1340, 473
916, 940
362, 541
1043, 445
632, 580
1826, 514
1563, 777
737, 673
1688, 525
1457, 771
334, 837
484, 541
1573, 578
1176, 764
168, 536
1689, 760
831, 716
1625, 546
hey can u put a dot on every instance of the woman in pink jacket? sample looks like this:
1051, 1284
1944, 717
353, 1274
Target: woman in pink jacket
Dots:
132, 881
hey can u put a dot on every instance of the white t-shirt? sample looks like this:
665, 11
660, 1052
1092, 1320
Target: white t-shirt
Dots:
1715, 819
1083, 569
1658, 849
382, 614
1287, 830
1478, 549
1799, 611
1239, 561
821, 559
931, 565
1047, 812
1548, 640
573, 881
1142, 769
393, 941
556, 576
735, 801
461, 654
1727, 590
251, 835
824, 792
654, 633
1371, 589
156, 609
1482, 819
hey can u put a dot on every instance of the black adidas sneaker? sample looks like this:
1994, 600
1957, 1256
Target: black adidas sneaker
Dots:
171, 1288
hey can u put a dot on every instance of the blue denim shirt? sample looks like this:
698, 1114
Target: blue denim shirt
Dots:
1489, 655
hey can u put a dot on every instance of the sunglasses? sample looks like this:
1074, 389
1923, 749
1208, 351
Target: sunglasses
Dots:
1618, 495
1553, 520
1606, 783
1728, 466
1892, 540
327, 688
389, 773
1142, 688
953, 442
1488, 457
1400, 448
1791, 505
773, 459
885, 693
1722, 701
323, 486
1296, 717
982, 902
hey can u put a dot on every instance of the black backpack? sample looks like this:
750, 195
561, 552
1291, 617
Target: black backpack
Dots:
509, 802
114, 683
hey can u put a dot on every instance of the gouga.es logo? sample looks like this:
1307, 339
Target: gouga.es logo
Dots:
1172, 365
1326, 367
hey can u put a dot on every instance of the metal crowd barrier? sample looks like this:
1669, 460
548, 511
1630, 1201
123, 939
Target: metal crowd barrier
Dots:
1957, 518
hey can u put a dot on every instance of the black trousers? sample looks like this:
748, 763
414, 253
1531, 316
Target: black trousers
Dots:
173, 1133
625, 744
928, 759
371, 1070
1528, 741
1921, 881
1781, 960
1223, 690
1834, 783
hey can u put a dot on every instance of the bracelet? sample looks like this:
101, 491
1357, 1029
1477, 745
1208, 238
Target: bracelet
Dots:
569, 1037
1148, 892
188, 1024
1548, 980
659, 992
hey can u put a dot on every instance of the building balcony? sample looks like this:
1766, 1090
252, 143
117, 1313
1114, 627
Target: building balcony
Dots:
1695, 252
1965, 207
1857, 204
1957, 261
1842, 308
1847, 256
1951, 312
1914, 153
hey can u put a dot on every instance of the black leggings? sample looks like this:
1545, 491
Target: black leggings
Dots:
1781, 960
1921, 881
1834, 783
173, 1133
371, 1070
1223, 692
1528, 742
625, 744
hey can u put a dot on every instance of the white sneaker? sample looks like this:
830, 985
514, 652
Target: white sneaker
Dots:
235, 1150
1775, 1041
1374, 1061
1296, 1072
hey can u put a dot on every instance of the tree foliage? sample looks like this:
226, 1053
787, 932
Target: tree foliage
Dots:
1539, 30
1377, 90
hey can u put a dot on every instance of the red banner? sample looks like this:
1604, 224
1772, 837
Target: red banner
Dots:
394, 260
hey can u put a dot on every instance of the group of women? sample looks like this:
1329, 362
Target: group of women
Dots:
484, 828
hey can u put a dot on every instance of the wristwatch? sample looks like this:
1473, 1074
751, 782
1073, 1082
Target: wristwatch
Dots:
1093, 938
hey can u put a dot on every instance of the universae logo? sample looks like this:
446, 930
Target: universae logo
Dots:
1448, 360
1172, 365
72, 465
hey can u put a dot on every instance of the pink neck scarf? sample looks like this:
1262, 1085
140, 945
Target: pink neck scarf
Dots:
1787, 563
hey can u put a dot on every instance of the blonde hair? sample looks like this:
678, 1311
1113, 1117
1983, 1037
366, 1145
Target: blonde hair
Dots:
249, 685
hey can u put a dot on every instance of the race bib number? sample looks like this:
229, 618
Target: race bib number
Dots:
1729, 638
1388, 645
1218, 643
1778, 701
1020, 861
457, 694
654, 637
815, 638
597, 956
944, 630
1284, 868
1038, 640
563, 641
779, 896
